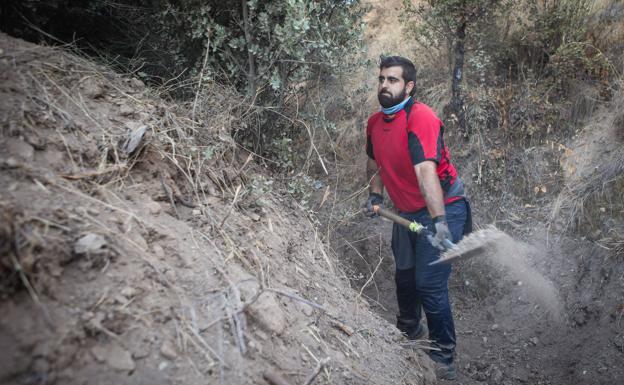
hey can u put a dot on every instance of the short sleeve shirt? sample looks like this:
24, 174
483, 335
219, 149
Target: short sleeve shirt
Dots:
397, 145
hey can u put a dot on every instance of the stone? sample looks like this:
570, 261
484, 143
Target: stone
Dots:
534, 341
158, 251
153, 207
120, 359
170, 275
137, 84
126, 110
90, 244
268, 313
254, 217
168, 350
128, 292
496, 376
494, 327
114, 355
91, 88
19, 149
99, 353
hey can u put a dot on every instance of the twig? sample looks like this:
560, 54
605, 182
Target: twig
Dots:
238, 188
274, 378
201, 77
169, 193
319, 366
296, 297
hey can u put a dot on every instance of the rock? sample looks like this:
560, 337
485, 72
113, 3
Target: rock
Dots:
168, 350
306, 309
268, 313
120, 359
494, 327
534, 341
99, 353
496, 376
17, 148
128, 292
254, 217
158, 251
153, 207
91, 88
137, 84
90, 244
126, 110
134, 139
170, 275
115, 356
196, 212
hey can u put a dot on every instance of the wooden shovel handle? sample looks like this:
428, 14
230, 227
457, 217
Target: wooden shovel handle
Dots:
412, 226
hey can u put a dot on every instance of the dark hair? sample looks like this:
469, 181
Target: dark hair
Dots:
409, 71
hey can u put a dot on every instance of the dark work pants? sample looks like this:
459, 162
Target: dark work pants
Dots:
422, 286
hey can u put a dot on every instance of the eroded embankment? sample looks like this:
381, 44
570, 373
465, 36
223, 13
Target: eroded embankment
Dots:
154, 251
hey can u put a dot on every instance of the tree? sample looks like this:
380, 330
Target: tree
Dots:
454, 22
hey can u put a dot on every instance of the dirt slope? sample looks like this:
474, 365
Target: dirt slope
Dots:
138, 248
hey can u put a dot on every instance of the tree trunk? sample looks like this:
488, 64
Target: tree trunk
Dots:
251, 70
457, 99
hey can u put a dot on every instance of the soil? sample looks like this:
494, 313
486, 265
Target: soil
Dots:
138, 248
129, 259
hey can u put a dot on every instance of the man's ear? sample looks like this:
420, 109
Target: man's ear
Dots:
409, 87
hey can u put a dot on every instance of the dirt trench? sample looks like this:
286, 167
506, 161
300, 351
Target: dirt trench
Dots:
505, 331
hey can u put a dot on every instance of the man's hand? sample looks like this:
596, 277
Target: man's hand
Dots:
374, 199
442, 237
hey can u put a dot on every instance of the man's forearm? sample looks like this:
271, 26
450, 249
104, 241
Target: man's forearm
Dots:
430, 188
374, 180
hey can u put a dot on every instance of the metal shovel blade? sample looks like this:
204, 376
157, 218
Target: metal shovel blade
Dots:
475, 243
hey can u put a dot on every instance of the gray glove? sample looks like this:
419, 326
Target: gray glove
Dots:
442, 239
374, 199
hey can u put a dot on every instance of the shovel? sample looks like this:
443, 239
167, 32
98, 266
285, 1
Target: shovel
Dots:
469, 246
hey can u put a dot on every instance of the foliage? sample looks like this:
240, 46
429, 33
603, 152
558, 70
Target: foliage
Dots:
263, 45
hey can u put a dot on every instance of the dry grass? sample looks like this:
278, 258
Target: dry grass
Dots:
594, 183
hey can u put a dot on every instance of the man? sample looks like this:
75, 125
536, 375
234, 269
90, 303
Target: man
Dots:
407, 156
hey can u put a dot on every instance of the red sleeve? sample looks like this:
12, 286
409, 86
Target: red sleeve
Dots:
424, 136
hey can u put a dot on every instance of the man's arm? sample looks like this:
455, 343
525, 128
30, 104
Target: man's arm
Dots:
374, 180
430, 187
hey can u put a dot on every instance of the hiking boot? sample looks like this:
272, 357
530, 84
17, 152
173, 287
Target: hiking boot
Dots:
412, 329
445, 371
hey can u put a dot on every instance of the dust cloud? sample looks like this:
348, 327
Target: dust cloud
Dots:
512, 257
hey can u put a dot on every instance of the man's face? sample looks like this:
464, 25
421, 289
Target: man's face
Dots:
392, 89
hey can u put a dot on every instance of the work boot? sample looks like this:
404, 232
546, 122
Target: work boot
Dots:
445, 371
412, 328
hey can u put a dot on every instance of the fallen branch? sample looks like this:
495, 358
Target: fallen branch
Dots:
273, 378
319, 366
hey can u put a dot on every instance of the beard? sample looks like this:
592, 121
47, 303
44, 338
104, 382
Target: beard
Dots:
387, 100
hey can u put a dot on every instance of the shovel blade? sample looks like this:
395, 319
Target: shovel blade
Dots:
476, 243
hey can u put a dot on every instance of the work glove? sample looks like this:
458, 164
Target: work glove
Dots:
442, 239
374, 199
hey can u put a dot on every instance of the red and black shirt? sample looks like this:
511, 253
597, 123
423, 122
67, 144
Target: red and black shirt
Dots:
398, 144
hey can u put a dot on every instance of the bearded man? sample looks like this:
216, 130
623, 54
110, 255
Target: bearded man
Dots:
407, 156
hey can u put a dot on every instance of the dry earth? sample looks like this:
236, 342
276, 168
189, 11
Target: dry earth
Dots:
138, 248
